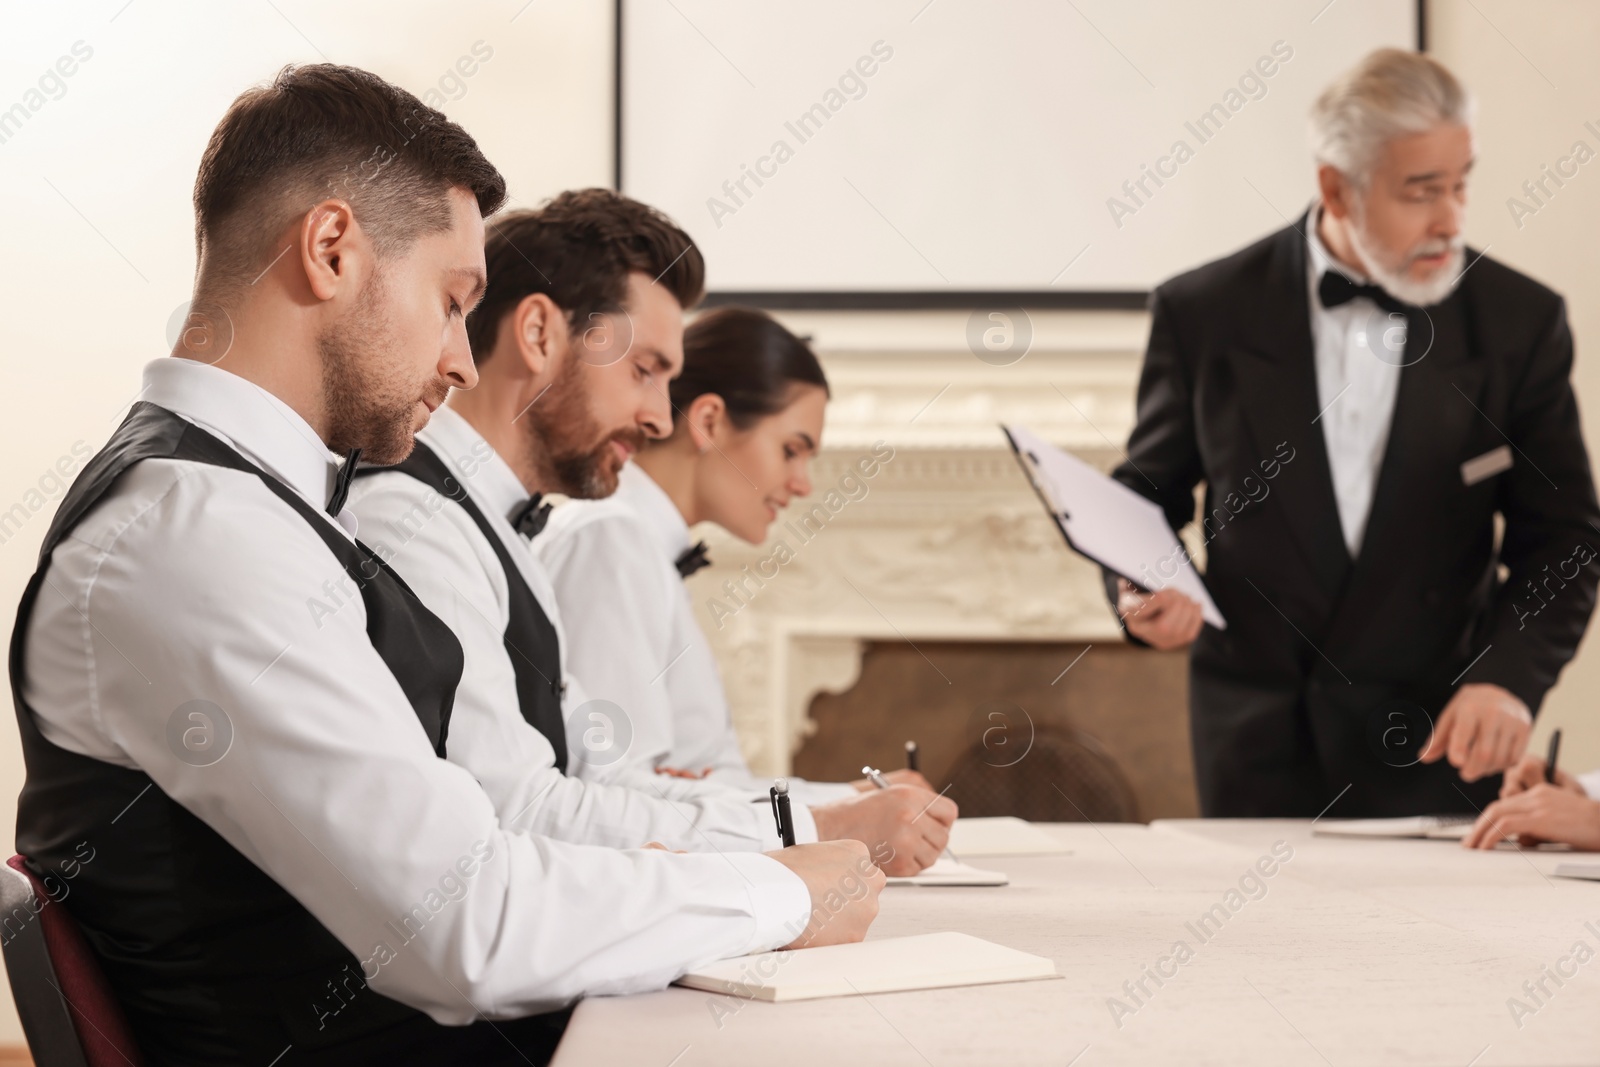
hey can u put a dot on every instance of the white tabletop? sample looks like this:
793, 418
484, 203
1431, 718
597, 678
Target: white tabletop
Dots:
1353, 952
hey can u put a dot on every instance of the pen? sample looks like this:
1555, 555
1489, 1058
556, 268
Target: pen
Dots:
781, 812
911, 756
1552, 755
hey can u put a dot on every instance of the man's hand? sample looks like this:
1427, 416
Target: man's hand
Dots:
1530, 772
900, 777
1164, 620
1543, 813
1484, 729
839, 875
905, 827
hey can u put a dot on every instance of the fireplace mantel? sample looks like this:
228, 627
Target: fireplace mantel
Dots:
946, 540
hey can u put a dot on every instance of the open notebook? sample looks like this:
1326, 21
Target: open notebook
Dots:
1447, 827
1003, 835
889, 965
1578, 869
951, 872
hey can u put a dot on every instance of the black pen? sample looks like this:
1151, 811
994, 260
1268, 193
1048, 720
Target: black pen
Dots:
911, 756
1552, 755
781, 812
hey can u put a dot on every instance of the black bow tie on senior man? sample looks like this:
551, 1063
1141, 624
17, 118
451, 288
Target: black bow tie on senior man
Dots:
692, 559
528, 518
1335, 289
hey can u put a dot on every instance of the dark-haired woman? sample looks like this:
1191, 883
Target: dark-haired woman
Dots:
747, 419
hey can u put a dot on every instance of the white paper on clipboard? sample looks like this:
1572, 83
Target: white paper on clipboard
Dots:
1108, 522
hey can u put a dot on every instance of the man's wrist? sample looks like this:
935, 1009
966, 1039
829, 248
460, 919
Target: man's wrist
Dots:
824, 822
1507, 673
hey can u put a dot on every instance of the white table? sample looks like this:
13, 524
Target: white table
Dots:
1357, 952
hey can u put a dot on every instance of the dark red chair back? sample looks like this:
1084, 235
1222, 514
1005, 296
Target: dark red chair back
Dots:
68, 1012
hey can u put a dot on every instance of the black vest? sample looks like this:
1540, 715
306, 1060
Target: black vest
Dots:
213, 961
530, 636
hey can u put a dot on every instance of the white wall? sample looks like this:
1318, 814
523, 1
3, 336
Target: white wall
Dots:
953, 150
91, 283
1533, 69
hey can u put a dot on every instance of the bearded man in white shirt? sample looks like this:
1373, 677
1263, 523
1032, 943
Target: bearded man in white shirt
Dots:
579, 332
285, 868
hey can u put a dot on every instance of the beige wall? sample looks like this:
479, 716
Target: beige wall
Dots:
1532, 68
122, 143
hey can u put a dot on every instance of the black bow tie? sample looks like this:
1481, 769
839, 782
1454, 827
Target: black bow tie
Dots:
1335, 289
341, 484
529, 517
692, 559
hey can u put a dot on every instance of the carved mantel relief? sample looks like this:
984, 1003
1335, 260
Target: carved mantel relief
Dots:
920, 527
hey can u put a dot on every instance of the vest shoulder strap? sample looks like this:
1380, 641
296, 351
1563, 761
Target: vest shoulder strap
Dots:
530, 637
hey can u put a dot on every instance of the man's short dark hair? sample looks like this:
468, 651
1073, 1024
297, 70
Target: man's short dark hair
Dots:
578, 249
322, 131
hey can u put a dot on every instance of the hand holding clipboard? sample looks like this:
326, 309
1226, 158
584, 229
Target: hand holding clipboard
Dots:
1108, 523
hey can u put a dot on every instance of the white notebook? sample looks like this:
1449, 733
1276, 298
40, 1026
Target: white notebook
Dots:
888, 965
1447, 827
1003, 835
947, 871
1569, 869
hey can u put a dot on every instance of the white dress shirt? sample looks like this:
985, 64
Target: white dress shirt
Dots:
1355, 390
1590, 781
446, 560
190, 581
636, 641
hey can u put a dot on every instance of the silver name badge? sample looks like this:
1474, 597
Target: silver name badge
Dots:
1487, 465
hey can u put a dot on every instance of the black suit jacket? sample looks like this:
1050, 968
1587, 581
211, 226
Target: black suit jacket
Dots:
1331, 671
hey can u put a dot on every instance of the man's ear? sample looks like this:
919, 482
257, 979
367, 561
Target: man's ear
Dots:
539, 331
707, 419
1336, 191
329, 247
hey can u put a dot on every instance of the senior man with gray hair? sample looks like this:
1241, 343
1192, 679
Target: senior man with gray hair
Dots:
1399, 519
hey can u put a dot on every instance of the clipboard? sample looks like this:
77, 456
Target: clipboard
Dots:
1107, 523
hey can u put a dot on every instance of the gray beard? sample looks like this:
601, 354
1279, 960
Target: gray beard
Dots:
1396, 283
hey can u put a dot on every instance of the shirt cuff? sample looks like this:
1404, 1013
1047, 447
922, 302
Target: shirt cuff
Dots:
780, 903
1591, 784
766, 832
822, 792
805, 827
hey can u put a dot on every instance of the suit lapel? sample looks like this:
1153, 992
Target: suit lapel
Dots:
1277, 376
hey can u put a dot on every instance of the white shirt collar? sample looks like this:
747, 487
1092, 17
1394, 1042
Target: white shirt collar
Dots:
262, 427
465, 449
1320, 260
639, 491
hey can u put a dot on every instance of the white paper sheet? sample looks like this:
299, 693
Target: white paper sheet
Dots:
1110, 523
1002, 835
1447, 827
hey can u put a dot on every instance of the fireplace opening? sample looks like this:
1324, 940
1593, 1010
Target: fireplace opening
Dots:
1046, 731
